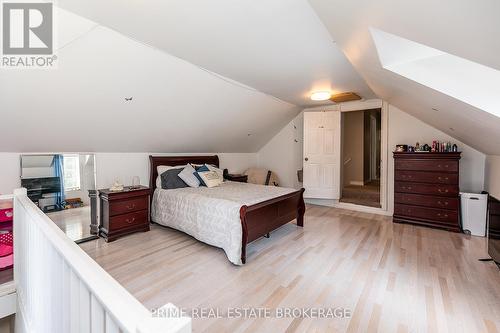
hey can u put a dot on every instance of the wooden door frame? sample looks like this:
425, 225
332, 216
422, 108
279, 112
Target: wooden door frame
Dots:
373, 149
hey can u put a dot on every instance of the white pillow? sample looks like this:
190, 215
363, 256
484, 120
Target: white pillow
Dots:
187, 175
162, 168
211, 178
220, 173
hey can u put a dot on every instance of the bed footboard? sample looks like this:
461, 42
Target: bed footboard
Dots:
260, 219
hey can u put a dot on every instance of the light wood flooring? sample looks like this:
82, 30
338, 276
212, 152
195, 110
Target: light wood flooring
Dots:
74, 222
393, 277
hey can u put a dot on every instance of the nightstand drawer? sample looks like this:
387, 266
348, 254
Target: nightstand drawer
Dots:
128, 206
129, 220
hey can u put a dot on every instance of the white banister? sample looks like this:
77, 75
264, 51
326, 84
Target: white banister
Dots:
61, 289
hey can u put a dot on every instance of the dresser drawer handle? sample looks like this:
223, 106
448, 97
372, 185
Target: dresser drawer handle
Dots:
406, 187
409, 176
442, 215
442, 191
132, 206
443, 203
441, 178
130, 220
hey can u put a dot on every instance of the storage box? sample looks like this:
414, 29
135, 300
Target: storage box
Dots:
6, 214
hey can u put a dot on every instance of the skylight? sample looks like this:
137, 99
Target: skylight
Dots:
465, 80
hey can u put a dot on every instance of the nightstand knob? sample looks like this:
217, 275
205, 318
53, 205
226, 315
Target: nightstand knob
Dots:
306, 159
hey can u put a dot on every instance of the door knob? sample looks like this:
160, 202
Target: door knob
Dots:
306, 159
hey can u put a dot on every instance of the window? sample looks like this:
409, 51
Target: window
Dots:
71, 172
465, 80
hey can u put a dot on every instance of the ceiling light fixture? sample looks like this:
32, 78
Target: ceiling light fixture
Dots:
320, 96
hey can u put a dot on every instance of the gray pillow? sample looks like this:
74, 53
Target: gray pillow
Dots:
170, 180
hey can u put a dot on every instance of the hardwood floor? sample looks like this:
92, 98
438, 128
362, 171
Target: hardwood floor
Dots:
74, 222
393, 277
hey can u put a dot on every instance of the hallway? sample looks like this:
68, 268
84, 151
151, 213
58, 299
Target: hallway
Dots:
366, 195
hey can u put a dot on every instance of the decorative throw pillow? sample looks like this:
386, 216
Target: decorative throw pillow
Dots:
170, 179
210, 178
220, 173
203, 168
161, 169
187, 175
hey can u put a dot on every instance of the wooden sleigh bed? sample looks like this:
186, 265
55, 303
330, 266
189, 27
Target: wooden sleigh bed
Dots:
257, 220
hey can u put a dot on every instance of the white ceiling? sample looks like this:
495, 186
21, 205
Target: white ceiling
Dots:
279, 47
176, 107
467, 29
205, 74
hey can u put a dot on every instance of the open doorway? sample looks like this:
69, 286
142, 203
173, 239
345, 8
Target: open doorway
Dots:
361, 156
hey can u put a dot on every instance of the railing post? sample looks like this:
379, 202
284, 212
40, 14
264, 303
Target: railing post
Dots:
60, 288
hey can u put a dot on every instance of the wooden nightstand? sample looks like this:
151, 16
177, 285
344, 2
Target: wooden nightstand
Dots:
235, 177
123, 212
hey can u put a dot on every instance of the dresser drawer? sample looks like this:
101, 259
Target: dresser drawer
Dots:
438, 215
128, 220
421, 188
427, 165
128, 205
427, 177
426, 200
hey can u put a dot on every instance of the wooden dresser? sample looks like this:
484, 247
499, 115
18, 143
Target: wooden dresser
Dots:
123, 212
426, 189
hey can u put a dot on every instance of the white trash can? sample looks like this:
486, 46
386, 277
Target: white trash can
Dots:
474, 208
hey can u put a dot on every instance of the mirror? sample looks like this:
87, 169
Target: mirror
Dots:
59, 184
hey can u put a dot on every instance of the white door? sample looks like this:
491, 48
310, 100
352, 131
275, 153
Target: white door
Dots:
322, 154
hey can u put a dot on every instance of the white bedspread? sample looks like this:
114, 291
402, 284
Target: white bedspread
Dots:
211, 215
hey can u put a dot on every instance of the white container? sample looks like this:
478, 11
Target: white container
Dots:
474, 208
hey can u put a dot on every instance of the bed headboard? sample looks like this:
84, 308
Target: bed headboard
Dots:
155, 161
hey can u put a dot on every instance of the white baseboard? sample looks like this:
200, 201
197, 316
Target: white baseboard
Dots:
357, 182
349, 206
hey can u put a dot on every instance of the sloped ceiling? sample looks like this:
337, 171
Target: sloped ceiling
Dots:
467, 29
176, 107
279, 47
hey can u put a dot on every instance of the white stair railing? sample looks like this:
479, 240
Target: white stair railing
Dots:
61, 289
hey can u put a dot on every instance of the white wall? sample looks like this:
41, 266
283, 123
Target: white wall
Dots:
283, 153
353, 128
406, 129
284, 157
10, 174
492, 175
122, 166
